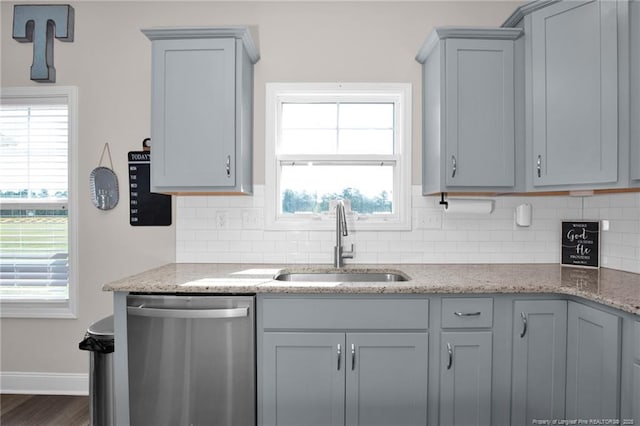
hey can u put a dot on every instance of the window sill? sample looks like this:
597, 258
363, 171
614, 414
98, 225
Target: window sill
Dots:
37, 309
329, 224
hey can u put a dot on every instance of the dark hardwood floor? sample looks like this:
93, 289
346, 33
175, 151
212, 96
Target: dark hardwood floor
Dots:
44, 410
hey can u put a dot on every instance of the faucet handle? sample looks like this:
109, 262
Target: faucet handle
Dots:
348, 254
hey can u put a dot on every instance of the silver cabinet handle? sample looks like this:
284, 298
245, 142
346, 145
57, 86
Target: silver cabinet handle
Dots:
467, 314
450, 351
353, 356
454, 166
339, 355
539, 166
228, 166
143, 311
524, 324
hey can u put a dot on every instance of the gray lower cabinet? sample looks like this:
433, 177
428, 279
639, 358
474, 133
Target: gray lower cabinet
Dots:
303, 377
508, 359
326, 379
635, 407
469, 102
465, 378
593, 363
574, 93
539, 360
386, 379
201, 109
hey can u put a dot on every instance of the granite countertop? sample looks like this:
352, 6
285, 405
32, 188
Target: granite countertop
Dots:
607, 286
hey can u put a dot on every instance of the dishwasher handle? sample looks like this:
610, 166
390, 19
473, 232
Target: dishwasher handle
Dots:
143, 311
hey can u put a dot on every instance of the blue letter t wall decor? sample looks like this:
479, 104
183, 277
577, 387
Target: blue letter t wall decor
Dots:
40, 24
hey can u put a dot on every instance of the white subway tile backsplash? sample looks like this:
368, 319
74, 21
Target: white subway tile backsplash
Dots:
415, 235
240, 201
196, 201
456, 235
252, 235
201, 237
431, 235
475, 235
218, 246
275, 258
217, 202
502, 236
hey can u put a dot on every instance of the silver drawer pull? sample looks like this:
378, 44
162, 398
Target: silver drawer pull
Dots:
467, 314
450, 351
143, 311
454, 166
539, 166
228, 166
524, 324
339, 355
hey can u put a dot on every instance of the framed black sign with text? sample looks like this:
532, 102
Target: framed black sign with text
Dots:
581, 243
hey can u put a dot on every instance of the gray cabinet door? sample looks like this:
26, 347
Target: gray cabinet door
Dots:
634, 77
465, 378
303, 379
539, 360
386, 377
479, 118
636, 391
593, 363
635, 407
193, 113
575, 93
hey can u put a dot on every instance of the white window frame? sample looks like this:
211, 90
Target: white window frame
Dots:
44, 308
397, 93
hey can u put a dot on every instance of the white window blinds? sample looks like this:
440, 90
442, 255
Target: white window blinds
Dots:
34, 185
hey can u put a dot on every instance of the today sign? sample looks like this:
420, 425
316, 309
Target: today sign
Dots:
581, 243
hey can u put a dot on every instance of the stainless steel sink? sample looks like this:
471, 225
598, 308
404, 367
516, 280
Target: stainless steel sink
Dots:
342, 276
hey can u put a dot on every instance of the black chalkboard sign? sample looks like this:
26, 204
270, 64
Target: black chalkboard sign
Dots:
146, 208
581, 243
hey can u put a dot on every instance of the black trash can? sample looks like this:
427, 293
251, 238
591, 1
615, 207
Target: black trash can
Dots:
99, 341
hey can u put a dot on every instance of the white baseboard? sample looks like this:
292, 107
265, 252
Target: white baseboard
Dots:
44, 383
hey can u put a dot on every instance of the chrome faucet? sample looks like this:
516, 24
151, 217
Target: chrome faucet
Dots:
339, 254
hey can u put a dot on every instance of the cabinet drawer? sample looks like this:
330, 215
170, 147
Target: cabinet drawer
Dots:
344, 313
467, 312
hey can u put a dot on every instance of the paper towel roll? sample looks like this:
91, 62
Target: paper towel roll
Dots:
470, 206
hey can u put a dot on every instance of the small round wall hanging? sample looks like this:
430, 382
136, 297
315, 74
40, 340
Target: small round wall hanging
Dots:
103, 183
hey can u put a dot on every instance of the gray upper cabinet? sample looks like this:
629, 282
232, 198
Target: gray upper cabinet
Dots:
634, 80
571, 95
465, 378
202, 110
469, 95
539, 360
593, 363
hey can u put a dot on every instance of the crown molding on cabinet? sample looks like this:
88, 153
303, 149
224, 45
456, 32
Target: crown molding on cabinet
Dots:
181, 33
526, 9
442, 33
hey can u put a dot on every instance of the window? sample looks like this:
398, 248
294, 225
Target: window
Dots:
37, 232
338, 141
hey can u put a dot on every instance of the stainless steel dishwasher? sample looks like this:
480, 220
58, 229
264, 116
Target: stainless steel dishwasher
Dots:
191, 360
